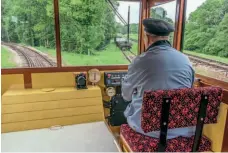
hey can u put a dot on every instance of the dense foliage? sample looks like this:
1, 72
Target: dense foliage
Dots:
86, 25
122, 29
28, 22
207, 28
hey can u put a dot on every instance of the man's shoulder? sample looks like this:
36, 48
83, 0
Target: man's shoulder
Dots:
171, 52
139, 59
178, 54
182, 55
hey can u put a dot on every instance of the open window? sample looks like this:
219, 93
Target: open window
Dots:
96, 33
61, 33
28, 34
205, 37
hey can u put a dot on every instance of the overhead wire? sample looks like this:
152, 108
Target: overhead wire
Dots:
116, 12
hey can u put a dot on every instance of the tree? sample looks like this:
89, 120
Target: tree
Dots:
84, 24
205, 28
134, 28
27, 21
218, 45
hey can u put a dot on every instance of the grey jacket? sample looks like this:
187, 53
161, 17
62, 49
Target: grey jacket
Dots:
161, 67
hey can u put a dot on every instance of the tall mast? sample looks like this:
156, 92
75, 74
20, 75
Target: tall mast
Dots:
128, 25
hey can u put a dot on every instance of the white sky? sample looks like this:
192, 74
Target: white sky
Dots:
192, 5
134, 11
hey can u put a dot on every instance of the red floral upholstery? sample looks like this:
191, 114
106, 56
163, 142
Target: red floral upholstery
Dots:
184, 107
141, 143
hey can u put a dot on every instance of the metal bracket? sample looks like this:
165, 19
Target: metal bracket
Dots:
200, 123
106, 104
164, 124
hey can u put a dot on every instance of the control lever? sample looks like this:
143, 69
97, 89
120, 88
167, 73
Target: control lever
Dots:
80, 80
106, 104
107, 117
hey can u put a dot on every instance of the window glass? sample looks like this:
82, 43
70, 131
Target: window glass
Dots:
165, 11
95, 32
206, 35
27, 34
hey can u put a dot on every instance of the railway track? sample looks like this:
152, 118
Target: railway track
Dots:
30, 58
207, 62
129, 55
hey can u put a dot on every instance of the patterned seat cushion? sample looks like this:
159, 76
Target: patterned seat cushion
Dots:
184, 107
141, 143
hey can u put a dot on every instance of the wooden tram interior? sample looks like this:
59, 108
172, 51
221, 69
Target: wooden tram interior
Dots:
35, 99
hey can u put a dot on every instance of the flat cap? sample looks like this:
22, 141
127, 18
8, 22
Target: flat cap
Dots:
157, 27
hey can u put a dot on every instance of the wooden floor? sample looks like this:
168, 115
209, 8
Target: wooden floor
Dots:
90, 137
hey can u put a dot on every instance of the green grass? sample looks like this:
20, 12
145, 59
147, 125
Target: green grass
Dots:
110, 56
132, 36
49, 51
216, 58
7, 58
135, 48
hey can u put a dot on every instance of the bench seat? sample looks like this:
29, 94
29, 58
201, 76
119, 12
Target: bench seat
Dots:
136, 142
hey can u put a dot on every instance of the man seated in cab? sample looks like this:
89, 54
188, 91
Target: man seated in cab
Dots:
161, 67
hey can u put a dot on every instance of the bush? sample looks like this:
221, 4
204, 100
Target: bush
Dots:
219, 44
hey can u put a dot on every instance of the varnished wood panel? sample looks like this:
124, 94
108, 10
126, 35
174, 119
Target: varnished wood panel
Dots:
213, 81
206, 81
177, 18
38, 124
63, 69
143, 15
57, 33
153, 2
181, 23
125, 145
27, 80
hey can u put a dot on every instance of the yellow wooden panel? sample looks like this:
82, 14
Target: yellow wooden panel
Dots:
53, 80
37, 95
38, 124
12, 81
47, 105
45, 114
215, 132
